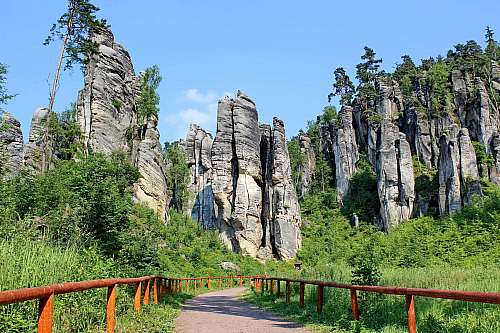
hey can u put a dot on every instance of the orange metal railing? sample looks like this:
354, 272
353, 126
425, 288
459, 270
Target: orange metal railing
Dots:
46, 294
409, 293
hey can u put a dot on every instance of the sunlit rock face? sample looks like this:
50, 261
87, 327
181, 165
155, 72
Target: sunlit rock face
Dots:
107, 113
257, 208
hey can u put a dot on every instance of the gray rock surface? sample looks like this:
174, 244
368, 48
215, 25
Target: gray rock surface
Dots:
258, 210
458, 175
480, 122
494, 169
396, 185
32, 152
338, 143
11, 145
227, 265
201, 205
307, 172
108, 117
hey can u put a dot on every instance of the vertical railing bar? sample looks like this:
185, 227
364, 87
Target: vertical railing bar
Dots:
278, 286
137, 297
302, 290
287, 297
410, 311
354, 301
145, 300
110, 309
45, 311
320, 299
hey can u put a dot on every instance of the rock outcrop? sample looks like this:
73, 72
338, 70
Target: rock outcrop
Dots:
395, 175
201, 205
258, 210
32, 152
338, 143
307, 171
110, 122
11, 145
458, 174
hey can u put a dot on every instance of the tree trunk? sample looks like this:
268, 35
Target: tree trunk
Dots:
45, 139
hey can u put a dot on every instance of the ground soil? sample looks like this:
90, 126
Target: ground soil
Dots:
221, 312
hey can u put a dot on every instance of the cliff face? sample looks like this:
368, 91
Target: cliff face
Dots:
248, 178
11, 145
109, 119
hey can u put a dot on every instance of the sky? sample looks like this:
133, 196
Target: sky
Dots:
282, 54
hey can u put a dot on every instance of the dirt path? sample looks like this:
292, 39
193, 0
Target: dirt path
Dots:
221, 312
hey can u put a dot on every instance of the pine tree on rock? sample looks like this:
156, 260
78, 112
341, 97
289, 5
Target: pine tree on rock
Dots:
343, 86
366, 73
72, 28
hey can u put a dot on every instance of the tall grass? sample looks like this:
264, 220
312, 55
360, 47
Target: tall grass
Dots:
27, 263
386, 313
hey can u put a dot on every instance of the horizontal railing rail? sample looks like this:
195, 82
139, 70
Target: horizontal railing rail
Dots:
409, 293
46, 294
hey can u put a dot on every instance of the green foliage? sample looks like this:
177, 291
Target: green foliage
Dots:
363, 199
405, 73
4, 97
117, 104
297, 160
177, 174
492, 49
481, 157
82, 202
66, 134
148, 101
437, 81
366, 73
76, 24
329, 114
323, 175
342, 86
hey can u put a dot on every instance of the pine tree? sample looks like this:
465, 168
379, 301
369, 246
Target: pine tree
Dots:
366, 73
72, 28
4, 97
343, 86
492, 49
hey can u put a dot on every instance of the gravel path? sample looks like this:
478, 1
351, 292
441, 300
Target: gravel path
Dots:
221, 312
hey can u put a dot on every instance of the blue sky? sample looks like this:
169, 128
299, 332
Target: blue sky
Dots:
281, 53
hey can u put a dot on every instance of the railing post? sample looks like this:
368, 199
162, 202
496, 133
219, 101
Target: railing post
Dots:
354, 301
170, 287
201, 284
208, 283
287, 295
230, 282
278, 286
302, 287
272, 286
257, 284
45, 310
110, 309
220, 283
161, 287
241, 281
155, 292
145, 300
187, 286
410, 310
137, 297
320, 299
250, 281
195, 283
267, 284
180, 285
165, 287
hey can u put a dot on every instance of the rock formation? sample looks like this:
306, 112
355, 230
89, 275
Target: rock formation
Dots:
338, 143
11, 145
307, 150
32, 152
201, 205
458, 175
110, 122
395, 175
258, 210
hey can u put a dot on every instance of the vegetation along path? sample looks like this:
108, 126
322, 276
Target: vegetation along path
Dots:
221, 312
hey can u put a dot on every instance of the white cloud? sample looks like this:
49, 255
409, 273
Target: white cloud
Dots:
179, 122
195, 96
